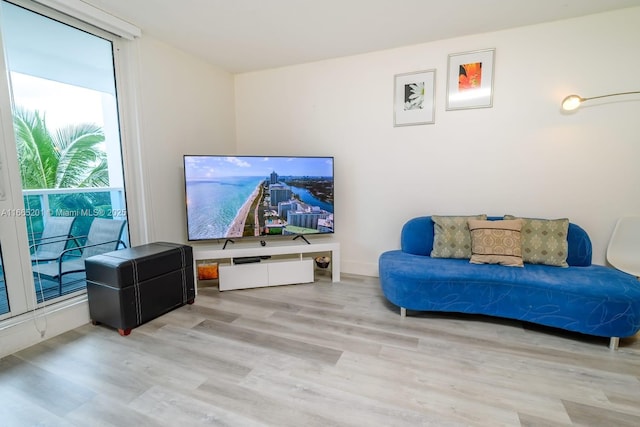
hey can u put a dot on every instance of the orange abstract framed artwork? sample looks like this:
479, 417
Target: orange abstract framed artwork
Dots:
414, 98
470, 79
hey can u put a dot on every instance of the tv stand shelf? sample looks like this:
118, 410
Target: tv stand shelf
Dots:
288, 265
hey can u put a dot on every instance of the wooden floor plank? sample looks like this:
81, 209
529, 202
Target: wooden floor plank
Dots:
321, 354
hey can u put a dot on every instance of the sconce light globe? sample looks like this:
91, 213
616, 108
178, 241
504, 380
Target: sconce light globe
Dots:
571, 102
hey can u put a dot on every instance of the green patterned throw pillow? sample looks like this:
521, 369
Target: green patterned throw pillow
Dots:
544, 241
452, 238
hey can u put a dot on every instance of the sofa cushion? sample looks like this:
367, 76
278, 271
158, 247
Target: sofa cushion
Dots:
452, 238
544, 241
595, 300
496, 242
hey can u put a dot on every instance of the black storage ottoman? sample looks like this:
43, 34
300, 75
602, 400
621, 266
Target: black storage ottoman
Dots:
129, 287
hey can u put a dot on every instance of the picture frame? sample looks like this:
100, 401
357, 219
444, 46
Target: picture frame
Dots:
470, 79
414, 98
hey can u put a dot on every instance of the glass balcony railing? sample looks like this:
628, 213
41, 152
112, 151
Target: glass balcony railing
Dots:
85, 204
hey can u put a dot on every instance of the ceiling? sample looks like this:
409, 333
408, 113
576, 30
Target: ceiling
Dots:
248, 35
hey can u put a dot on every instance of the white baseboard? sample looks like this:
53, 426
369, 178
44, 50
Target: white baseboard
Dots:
359, 268
26, 330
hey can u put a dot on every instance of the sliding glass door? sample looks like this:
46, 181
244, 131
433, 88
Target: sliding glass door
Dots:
63, 156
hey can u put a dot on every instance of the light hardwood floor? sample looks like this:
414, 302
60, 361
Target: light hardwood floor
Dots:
320, 354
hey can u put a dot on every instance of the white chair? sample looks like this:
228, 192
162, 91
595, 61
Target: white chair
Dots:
623, 251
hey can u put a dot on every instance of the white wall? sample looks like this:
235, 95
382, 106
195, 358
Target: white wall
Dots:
187, 107
522, 157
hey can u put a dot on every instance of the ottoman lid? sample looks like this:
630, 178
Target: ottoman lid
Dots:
124, 267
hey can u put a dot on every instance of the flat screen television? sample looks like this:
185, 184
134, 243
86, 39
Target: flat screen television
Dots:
230, 197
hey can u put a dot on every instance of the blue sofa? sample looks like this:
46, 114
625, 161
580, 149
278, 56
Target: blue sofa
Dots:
590, 299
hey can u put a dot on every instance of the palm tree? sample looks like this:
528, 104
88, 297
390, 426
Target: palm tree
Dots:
70, 157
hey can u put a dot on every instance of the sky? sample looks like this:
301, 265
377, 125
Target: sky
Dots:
62, 104
200, 167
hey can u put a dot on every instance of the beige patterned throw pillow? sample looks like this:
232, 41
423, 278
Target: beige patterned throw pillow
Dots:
451, 236
544, 241
496, 242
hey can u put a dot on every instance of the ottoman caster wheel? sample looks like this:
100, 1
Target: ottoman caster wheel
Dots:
191, 301
124, 332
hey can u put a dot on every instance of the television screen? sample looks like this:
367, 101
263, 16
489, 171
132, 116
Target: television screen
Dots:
228, 197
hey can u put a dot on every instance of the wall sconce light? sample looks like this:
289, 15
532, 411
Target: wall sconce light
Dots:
572, 102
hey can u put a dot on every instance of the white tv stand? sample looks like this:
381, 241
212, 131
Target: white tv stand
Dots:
287, 264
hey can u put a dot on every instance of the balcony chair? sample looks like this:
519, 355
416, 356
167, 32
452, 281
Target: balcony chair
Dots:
53, 240
623, 251
104, 236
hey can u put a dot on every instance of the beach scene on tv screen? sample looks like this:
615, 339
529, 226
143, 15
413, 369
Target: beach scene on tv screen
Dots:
231, 197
